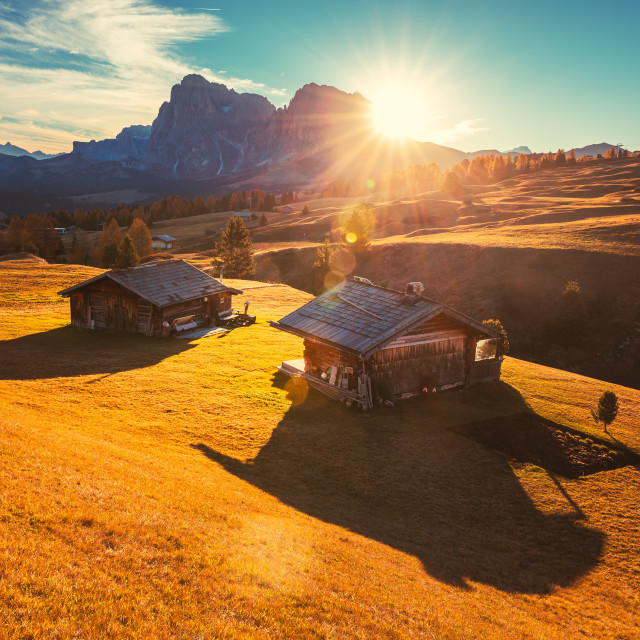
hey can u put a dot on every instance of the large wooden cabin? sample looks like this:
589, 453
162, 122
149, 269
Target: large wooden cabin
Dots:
364, 343
153, 299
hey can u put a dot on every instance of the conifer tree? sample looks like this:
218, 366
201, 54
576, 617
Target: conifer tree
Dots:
356, 231
141, 237
607, 409
110, 235
235, 249
110, 253
127, 254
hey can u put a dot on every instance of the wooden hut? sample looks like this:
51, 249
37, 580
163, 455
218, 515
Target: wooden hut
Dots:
162, 241
364, 343
154, 299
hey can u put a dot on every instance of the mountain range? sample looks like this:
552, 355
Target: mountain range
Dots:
210, 139
9, 149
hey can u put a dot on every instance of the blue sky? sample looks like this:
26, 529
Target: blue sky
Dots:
488, 74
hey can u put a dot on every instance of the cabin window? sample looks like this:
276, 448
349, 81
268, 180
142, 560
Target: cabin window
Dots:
486, 349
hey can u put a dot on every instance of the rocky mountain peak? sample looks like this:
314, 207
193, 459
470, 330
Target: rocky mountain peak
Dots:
202, 129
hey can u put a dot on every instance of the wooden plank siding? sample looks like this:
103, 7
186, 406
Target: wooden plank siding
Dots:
78, 311
407, 369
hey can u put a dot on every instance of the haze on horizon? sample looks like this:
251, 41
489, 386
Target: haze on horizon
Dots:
473, 77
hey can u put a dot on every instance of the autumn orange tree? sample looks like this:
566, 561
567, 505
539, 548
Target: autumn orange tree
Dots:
141, 237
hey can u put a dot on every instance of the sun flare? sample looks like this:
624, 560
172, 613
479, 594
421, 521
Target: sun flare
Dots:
398, 111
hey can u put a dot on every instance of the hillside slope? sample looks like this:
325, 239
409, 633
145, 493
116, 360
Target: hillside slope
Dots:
175, 489
512, 253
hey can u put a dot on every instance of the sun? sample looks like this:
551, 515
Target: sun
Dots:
399, 111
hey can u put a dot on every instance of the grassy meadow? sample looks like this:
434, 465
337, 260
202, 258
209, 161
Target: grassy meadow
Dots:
176, 489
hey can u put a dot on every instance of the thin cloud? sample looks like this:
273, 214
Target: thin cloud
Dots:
462, 129
131, 59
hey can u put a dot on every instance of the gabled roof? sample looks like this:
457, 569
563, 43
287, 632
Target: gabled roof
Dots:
162, 283
361, 317
164, 237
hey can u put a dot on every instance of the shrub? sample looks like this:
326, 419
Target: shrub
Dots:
503, 343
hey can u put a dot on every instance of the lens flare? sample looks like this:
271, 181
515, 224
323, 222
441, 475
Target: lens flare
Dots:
297, 390
343, 262
332, 279
370, 184
351, 237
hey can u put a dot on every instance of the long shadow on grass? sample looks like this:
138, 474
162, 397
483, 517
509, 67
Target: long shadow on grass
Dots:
65, 353
402, 477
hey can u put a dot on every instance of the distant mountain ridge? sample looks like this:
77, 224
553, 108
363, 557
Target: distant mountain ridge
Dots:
131, 142
9, 149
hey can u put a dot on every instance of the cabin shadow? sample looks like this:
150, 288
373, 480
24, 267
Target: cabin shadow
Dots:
66, 352
402, 477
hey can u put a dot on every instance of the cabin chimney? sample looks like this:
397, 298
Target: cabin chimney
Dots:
416, 287
412, 293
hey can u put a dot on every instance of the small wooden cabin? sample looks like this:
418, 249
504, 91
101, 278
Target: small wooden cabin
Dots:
162, 241
152, 299
375, 343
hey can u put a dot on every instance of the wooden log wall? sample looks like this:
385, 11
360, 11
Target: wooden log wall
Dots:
319, 358
405, 369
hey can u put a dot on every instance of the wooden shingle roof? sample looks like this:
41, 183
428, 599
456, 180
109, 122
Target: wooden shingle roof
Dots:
162, 283
361, 317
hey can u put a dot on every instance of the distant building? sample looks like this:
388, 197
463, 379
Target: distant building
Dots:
247, 216
288, 209
162, 241
154, 299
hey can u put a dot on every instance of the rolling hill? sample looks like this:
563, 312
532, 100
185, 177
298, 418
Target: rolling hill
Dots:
511, 253
180, 489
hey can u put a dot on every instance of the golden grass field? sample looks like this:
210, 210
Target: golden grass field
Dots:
593, 206
175, 489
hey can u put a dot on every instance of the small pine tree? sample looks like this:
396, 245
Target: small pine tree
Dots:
607, 409
235, 249
127, 254
263, 221
305, 211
